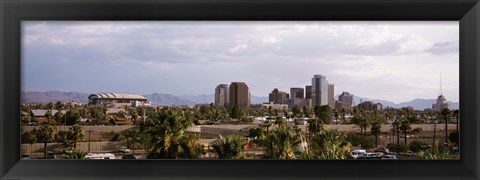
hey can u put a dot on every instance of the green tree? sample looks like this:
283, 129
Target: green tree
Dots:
315, 127
446, 115
375, 131
59, 105
230, 147
282, 143
405, 127
75, 134
279, 121
306, 111
58, 117
331, 144
456, 114
168, 139
50, 106
48, 115
454, 137
297, 111
323, 112
46, 134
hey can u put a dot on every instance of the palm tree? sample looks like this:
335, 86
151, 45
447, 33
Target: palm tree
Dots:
331, 144
375, 131
283, 143
46, 134
456, 113
75, 134
323, 112
314, 126
446, 114
167, 136
358, 120
405, 127
230, 147
48, 115
343, 111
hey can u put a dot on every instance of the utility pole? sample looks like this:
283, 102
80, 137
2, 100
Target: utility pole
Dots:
89, 131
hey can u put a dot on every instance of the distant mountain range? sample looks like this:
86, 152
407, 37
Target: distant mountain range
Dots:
168, 99
418, 104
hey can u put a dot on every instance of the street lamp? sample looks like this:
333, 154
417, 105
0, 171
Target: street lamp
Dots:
89, 131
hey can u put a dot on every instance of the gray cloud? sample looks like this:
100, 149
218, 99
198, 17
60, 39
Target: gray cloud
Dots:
172, 57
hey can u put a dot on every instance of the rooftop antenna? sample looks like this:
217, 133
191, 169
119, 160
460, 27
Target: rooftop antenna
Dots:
440, 91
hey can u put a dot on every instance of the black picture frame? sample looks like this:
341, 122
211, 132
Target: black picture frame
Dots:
12, 12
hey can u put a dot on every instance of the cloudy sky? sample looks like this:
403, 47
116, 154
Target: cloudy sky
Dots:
395, 61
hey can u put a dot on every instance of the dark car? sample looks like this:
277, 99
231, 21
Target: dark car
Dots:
128, 156
51, 155
382, 150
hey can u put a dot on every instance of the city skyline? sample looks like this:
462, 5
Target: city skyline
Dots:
394, 61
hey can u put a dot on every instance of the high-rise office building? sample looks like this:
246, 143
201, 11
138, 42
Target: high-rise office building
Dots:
221, 95
278, 97
239, 95
319, 90
308, 92
296, 93
346, 98
331, 97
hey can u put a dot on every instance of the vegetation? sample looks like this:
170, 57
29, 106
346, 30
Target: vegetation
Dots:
76, 154
230, 147
46, 134
163, 134
167, 136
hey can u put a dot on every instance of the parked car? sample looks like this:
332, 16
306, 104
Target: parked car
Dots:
358, 153
26, 156
383, 150
51, 155
128, 156
370, 156
124, 149
410, 153
389, 157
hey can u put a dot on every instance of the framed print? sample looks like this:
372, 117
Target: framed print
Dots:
239, 89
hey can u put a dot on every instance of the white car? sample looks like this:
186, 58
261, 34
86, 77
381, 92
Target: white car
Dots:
389, 157
124, 149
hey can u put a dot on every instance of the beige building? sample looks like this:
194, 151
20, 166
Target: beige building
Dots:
331, 97
278, 97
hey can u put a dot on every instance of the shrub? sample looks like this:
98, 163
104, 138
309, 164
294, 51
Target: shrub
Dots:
397, 147
453, 137
417, 146
356, 139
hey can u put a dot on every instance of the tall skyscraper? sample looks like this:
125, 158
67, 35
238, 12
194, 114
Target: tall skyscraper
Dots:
278, 97
331, 97
222, 95
296, 93
239, 95
308, 92
319, 90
